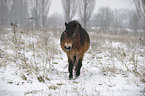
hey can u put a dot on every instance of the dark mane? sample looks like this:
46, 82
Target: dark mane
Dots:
72, 26
74, 21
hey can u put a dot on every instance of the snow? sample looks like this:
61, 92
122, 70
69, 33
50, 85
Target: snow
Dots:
104, 71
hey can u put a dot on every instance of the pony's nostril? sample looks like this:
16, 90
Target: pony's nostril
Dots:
67, 48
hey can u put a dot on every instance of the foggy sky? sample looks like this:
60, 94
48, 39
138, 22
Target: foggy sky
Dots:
56, 5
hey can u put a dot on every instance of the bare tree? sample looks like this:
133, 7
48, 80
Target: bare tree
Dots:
85, 10
140, 6
104, 17
134, 20
19, 12
3, 12
40, 11
34, 12
120, 17
69, 7
45, 4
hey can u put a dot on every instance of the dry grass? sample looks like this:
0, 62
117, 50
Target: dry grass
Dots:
43, 44
110, 58
129, 54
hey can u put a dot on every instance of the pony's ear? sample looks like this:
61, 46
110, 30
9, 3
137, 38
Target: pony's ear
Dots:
65, 24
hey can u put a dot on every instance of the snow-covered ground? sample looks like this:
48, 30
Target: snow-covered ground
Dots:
35, 65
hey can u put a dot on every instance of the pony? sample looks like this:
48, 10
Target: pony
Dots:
74, 41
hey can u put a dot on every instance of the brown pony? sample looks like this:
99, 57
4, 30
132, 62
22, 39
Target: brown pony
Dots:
75, 42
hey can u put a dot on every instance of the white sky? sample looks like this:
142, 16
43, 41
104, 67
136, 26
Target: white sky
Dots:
116, 4
56, 5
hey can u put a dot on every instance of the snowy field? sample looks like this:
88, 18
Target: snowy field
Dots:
33, 64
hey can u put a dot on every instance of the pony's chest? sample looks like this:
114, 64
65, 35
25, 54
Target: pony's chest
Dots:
77, 47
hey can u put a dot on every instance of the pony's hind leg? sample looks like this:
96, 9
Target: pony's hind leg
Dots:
78, 67
70, 69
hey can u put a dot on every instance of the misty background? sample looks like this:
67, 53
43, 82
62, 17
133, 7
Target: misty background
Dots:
90, 13
33, 63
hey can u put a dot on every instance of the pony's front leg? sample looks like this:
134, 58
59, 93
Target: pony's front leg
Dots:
78, 67
70, 69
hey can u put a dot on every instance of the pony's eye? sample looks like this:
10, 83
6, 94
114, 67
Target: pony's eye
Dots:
74, 33
64, 32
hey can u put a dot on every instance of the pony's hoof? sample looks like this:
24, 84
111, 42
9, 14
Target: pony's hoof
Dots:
78, 74
70, 77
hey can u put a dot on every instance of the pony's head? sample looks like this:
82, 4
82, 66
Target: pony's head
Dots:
71, 33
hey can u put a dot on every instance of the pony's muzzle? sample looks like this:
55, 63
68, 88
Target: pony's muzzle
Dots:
68, 46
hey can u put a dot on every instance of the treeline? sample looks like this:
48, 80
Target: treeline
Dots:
26, 12
117, 18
